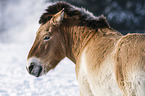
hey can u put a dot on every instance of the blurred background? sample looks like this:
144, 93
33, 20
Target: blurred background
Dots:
126, 16
18, 26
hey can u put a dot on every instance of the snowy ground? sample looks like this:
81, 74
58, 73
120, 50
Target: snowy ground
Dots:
14, 47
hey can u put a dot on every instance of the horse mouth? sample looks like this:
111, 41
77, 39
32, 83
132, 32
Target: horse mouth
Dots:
35, 70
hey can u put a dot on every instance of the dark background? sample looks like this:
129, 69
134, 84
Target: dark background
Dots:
126, 16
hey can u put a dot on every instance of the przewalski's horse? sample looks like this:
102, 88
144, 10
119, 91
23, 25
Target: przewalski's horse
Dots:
107, 63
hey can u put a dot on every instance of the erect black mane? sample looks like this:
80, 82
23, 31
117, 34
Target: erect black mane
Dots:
86, 18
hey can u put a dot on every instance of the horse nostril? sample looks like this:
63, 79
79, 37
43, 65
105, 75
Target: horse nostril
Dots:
31, 67
35, 69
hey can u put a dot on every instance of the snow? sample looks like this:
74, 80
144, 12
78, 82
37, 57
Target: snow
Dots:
15, 44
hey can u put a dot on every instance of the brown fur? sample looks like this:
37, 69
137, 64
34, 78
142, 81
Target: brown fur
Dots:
106, 61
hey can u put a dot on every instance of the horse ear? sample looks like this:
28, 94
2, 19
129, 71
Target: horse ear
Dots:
58, 17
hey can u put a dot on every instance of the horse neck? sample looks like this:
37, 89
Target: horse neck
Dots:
76, 38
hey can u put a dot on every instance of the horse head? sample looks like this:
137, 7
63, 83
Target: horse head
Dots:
48, 48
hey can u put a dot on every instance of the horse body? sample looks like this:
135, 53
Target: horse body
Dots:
107, 63
122, 65
100, 81
96, 66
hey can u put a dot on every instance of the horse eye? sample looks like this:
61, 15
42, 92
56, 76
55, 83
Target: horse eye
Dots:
46, 38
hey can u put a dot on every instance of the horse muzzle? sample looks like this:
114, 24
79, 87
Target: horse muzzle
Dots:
34, 67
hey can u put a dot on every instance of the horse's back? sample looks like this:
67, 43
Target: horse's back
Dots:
130, 64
